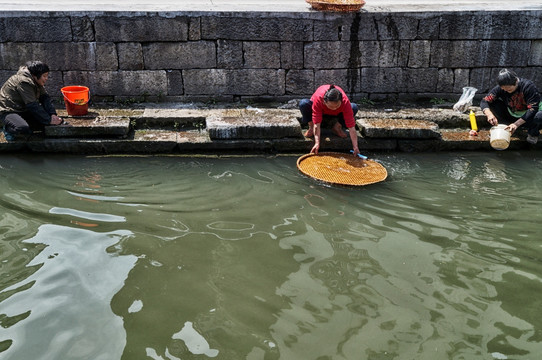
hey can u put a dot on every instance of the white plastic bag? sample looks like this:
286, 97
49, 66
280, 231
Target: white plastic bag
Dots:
465, 101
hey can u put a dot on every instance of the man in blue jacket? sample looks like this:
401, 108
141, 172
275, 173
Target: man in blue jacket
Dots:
24, 104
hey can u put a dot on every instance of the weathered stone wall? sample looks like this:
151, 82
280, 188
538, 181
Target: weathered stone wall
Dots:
231, 56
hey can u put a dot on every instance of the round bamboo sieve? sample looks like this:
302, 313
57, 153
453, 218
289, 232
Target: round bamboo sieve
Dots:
341, 169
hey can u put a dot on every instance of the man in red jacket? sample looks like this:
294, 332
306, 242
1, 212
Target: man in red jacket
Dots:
329, 107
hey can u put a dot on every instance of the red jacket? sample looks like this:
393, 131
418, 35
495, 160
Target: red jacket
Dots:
319, 108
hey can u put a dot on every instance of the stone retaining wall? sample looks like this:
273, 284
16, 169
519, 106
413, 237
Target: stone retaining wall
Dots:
279, 56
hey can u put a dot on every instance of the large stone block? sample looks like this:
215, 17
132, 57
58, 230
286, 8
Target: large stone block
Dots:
396, 26
234, 82
35, 29
180, 55
348, 79
141, 29
377, 80
253, 124
347, 27
468, 53
336, 55
395, 80
383, 53
120, 83
82, 28
461, 79
59, 56
229, 54
175, 83
291, 55
483, 79
130, 56
445, 81
53, 86
106, 57
377, 26
419, 80
261, 55
194, 29
420, 53
535, 58
299, 82
256, 29
491, 26
532, 73
428, 27
327, 55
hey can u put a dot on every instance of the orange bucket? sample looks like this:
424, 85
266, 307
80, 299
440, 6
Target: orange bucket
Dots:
76, 99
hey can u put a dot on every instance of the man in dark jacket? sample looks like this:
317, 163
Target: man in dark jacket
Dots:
24, 103
516, 102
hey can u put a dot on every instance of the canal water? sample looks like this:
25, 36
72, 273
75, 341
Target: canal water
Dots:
245, 258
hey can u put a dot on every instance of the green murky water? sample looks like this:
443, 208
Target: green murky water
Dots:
244, 258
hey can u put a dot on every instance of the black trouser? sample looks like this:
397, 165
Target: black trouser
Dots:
21, 123
500, 110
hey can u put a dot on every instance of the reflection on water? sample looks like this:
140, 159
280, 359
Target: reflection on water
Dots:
244, 258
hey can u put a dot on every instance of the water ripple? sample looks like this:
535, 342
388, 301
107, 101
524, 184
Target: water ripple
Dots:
87, 215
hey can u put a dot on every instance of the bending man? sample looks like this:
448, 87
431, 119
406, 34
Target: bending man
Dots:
329, 107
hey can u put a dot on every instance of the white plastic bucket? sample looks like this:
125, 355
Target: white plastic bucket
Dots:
499, 138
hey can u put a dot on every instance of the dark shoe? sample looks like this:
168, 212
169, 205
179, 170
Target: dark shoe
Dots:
532, 139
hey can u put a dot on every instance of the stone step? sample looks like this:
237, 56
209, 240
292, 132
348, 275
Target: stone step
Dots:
253, 124
444, 118
171, 117
169, 129
398, 128
459, 139
100, 126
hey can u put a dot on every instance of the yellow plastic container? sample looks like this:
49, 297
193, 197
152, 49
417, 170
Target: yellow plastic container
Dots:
473, 124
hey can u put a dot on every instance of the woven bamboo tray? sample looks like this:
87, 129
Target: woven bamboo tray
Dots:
341, 169
337, 5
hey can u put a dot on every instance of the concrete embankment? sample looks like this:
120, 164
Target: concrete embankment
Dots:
176, 129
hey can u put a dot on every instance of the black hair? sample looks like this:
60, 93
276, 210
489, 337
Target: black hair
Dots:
333, 95
507, 77
37, 68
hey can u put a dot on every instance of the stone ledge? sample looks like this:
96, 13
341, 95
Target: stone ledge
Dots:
459, 139
113, 130
253, 124
91, 127
398, 128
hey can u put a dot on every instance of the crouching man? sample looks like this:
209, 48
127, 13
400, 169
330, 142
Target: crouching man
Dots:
25, 106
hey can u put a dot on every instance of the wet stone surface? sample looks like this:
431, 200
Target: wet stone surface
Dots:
187, 128
239, 124
91, 127
399, 128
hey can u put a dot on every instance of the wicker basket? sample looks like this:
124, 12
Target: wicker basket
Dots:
337, 5
341, 169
